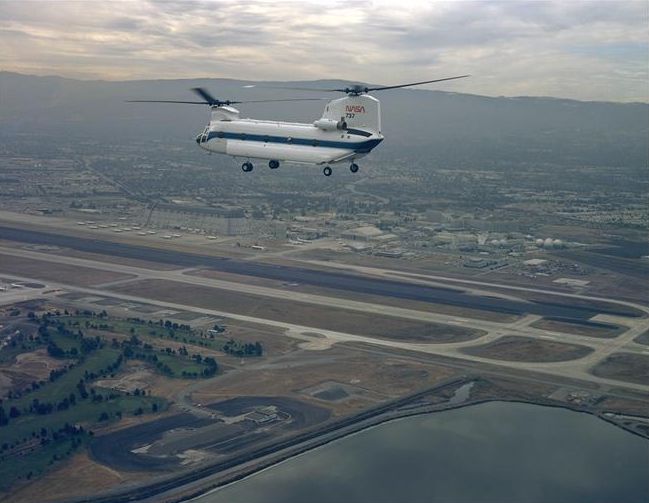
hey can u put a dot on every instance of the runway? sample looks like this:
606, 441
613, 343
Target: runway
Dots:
348, 281
578, 368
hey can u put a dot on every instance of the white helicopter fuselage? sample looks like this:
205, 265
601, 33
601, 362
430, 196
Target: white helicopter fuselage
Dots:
349, 128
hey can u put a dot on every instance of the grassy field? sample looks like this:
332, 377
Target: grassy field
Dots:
34, 464
55, 418
526, 349
147, 331
66, 384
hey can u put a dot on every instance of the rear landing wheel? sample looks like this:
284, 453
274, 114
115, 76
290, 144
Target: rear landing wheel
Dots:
327, 171
353, 167
247, 167
273, 164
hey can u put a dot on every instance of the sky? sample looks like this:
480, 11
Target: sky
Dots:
589, 50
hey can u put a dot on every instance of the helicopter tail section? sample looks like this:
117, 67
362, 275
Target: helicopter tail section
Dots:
362, 112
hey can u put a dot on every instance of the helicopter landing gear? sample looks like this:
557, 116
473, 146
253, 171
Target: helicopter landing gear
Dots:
327, 171
247, 166
273, 164
353, 167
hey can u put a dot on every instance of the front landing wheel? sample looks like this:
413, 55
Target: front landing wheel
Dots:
247, 167
327, 171
353, 167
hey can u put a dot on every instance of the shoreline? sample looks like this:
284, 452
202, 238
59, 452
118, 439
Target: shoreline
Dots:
398, 415
212, 477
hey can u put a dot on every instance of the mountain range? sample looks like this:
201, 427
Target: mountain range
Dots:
451, 128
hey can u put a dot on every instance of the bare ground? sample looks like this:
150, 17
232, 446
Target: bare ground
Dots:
382, 377
49, 271
625, 367
525, 349
643, 338
479, 314
587, 328
28, 367
76, 477
328, 318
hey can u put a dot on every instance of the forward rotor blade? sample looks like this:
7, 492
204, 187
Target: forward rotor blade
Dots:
203, 93
415, 83
287, 99
169, 101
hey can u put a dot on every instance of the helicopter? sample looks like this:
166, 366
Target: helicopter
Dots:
350, 128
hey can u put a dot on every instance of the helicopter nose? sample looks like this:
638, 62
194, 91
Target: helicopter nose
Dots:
198, 138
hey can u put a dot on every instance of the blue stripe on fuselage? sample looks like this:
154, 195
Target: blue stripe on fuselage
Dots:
360, 147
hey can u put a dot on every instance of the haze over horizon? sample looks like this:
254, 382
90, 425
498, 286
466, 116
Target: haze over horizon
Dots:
580, 50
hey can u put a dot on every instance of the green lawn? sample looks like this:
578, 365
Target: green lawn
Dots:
180, 364
62, 387
85, 413
36, 462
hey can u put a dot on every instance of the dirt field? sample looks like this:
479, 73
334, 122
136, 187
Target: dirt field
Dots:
135, 374
27, 368
525, 349
625, 406
478, 314
271, 338
145, 264
585, 327
328, 318
384, 378
625, 367
48, 271
643, 338
76, 477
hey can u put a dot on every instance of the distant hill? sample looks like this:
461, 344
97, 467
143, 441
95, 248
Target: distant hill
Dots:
448, 127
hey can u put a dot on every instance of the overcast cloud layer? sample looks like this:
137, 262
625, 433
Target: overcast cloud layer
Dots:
594, 50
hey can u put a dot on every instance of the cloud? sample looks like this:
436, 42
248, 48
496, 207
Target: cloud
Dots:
580, 49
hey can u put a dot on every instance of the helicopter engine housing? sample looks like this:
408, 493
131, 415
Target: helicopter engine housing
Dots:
330, 124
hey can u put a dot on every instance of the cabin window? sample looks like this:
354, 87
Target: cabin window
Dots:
316, 143
289, 139
219, 134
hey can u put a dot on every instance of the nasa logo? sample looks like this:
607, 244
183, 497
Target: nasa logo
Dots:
357, 109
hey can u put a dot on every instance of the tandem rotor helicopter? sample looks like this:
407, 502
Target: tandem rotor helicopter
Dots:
350, 128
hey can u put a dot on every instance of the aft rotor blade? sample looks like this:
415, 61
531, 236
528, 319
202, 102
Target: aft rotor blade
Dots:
383, 88
312, 89
169, 101
203, 93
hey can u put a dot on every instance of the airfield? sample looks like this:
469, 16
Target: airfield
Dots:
341, 339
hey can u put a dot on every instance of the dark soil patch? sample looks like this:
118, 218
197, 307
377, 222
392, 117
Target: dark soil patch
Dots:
580, 327
303, 414
625, 367
114, 449
300, 313
526, 349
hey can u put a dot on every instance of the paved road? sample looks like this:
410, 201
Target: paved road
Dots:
331, 279
578, 369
